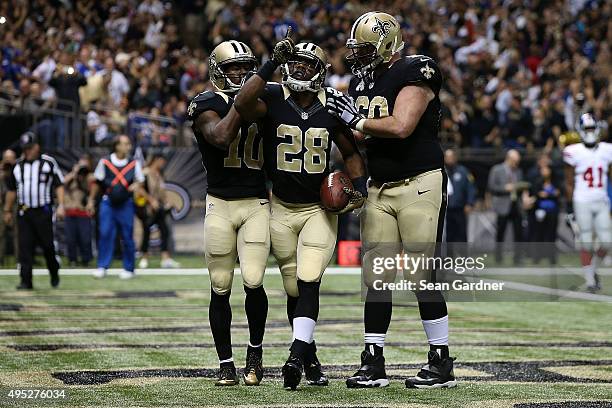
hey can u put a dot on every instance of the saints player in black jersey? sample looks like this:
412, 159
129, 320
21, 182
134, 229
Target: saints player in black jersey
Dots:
394, 103
298, 133
237, 207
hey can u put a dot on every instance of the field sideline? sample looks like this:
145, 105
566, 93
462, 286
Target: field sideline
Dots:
146, 342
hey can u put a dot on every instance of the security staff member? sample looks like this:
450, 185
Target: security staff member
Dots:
32, 182
462, 199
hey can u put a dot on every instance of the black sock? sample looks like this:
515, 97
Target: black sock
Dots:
227, 364
308, 301
441, 350
220, 317
377, 311
300, 348
256, 308
291, 304
432, 304
256, 350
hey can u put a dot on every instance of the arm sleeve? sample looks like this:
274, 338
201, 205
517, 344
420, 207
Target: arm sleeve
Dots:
138, 173
11, 181
421, 69
568, 157
99, 171
58, 176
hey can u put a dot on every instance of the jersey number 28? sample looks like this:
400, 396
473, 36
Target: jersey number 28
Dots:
315, 140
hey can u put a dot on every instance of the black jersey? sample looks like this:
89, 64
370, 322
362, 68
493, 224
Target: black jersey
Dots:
235, 172
397, 159
297, 144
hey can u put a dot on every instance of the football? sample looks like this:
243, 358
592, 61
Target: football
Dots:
333, 196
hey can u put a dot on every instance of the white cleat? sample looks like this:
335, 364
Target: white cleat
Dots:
170, 263
144, 263
99, 273
126, 274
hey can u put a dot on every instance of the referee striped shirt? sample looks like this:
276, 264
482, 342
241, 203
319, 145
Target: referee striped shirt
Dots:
34, 181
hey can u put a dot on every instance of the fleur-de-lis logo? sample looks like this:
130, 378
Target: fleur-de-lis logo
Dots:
383, 28
191, 108
427, 71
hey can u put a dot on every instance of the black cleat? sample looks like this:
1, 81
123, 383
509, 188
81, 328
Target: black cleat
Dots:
312, 368
227, 375
437, 373
24, 286
253, 372
55, 280
372, 372
292, 372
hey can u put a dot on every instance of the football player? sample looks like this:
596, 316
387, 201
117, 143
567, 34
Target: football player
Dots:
237, 207
587, 165
394, 103
298, 133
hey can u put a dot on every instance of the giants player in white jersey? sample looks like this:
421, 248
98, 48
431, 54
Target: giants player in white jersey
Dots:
587, 167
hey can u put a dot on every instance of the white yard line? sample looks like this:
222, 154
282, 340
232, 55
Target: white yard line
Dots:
335, 270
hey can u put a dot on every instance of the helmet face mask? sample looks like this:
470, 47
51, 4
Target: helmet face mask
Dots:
375, 38
306, 71
236, 72
229, 65
588, 129
362, 58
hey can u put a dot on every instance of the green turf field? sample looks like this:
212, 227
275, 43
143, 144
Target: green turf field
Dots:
146, 342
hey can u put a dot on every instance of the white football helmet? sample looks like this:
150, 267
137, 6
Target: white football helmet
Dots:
588, 129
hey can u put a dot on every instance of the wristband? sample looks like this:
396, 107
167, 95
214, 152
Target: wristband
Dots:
267, 70
359, 125
361, 184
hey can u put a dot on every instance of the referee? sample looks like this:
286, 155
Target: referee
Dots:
32, 183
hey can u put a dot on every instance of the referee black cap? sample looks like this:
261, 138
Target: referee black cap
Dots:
28, 139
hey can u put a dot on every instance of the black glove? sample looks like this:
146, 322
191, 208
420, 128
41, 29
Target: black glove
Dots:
343, 107
283, 50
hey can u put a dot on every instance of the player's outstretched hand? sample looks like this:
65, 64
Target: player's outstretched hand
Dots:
283, 50
343, 107
356, 201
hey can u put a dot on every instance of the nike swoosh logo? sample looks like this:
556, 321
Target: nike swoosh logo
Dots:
263, 202
422, 192
423, 59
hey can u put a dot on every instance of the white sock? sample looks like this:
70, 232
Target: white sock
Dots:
596, 262
589, 274
303, 329
437, 331
375, 338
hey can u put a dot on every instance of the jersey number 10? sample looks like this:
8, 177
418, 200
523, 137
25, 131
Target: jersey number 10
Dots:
234, 161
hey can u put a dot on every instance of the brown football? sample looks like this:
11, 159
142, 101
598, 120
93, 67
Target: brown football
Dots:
333, 197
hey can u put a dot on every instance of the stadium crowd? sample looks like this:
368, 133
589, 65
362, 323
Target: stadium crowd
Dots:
516, 71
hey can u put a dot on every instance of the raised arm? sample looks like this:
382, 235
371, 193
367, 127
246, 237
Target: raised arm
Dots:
216, 131
247, 102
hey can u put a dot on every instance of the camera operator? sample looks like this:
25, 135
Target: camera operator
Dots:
66, 81
77, 224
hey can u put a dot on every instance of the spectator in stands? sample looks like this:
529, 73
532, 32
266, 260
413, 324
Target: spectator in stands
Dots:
156, 212
545, 193
66, 81
118, 177
505, 185
77, 224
